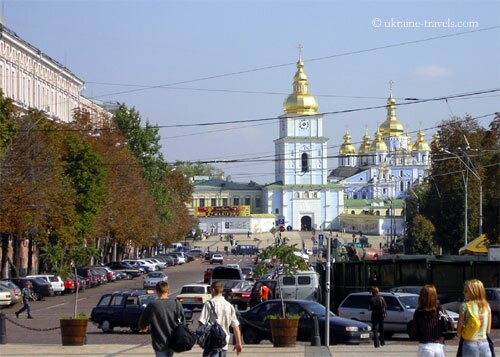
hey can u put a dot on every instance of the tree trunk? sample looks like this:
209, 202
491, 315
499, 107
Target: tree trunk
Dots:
5, 255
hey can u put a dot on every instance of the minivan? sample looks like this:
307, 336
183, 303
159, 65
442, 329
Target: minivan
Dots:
303, 285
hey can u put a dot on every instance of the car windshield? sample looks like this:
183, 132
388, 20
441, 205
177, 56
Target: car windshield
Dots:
193, 290
155, 275
146, 299
316, 309
409, 302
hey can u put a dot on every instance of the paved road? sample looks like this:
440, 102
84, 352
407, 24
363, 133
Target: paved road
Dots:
47, 312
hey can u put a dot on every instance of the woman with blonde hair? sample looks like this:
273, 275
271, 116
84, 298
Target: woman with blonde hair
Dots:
475, 307
425, 327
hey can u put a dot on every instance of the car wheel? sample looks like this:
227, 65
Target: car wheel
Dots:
106, 326
251, 336
37, 297
129, 276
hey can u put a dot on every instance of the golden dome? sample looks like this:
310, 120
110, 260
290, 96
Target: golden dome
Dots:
435, 140
347, 148
300, 101
364, 148
378, 144
420, 143
391, 127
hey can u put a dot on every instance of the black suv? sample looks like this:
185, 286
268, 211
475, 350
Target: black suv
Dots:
123, 309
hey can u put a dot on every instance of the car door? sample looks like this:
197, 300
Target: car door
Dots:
132, 312
394, 320
115, 310
100, 312
288, 287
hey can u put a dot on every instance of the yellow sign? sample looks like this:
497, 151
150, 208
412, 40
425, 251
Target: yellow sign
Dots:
221, 211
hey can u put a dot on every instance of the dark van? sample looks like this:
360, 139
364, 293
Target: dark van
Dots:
245, 250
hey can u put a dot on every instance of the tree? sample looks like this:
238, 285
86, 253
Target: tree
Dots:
191, 170
420, 238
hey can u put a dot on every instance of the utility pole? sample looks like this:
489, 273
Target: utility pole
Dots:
327, 290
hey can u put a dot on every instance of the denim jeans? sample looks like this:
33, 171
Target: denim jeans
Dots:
167, 353
476, 349
431, 350
215, 353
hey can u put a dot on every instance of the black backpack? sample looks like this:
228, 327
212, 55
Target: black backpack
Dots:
182, 338
211, 336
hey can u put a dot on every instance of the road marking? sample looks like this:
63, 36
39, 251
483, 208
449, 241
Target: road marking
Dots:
51, 307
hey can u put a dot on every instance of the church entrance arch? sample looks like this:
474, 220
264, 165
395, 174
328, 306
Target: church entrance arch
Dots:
306, 223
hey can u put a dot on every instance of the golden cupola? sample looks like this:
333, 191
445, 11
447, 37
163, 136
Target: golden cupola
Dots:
378, 144
420, 144
391, 127
364, 148
347, 148
435, 140
300, 101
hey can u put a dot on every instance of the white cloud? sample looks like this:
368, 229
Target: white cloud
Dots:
432, 71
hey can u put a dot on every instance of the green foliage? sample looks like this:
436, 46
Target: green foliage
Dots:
8, 124
79, 316
287, 316
85, 170
198, 169
61, 260
420, 239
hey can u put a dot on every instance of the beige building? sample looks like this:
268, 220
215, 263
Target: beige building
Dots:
32, 79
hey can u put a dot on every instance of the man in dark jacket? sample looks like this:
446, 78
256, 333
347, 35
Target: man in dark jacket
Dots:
27, 297
162, 316
377, 305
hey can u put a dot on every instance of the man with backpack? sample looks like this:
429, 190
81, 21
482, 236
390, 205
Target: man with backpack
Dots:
222, 312
162, 316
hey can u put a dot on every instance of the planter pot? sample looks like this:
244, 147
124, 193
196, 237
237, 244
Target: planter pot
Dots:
284, 332
73, 332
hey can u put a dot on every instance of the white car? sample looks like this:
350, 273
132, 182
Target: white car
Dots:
237, 266
159, 263
5, 297
153, 278
194, 295
217, 258
142, 263
54, 280
152, 261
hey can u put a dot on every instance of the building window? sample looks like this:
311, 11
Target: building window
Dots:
352, 212
236, 201
305, 165
202, 202
224, 201
247, 201
277, 211
384, 190
257, 201
401, 186
213, 202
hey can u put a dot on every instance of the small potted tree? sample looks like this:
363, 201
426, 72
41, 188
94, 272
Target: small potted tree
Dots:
283, 326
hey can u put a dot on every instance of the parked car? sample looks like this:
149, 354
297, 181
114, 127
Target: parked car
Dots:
180, 255
255, 295
197, 252
126, 268
123, 309
194, 295
255, 325
153, 278
5, 296
241, 249
15, 290
240, 297
40, 287
148, 266
415, 289
247, 273
493, 297
400, 310
217, 258
160, 263
54, 280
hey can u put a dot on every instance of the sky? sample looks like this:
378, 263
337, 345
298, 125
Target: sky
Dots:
199, 62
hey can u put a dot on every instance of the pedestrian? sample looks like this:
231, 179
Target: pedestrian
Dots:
226, 317
475, 306
377, 306
426, 328
162, 316
264, 292
27, 295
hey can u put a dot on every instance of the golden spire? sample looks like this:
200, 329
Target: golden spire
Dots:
420, 144
300, 101
378, 144
347, 148
364, 148
435, 140
391, 127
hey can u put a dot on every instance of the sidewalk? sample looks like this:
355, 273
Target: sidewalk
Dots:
110, 350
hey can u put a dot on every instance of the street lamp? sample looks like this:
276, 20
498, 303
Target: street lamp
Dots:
474, 171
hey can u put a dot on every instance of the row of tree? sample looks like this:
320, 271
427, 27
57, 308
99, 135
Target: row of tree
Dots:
69, 192
436, 209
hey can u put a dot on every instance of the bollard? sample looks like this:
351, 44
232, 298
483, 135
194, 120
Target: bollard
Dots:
3, 331
315, 338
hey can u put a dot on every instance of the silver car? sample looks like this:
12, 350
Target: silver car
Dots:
153, 278
400, 310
